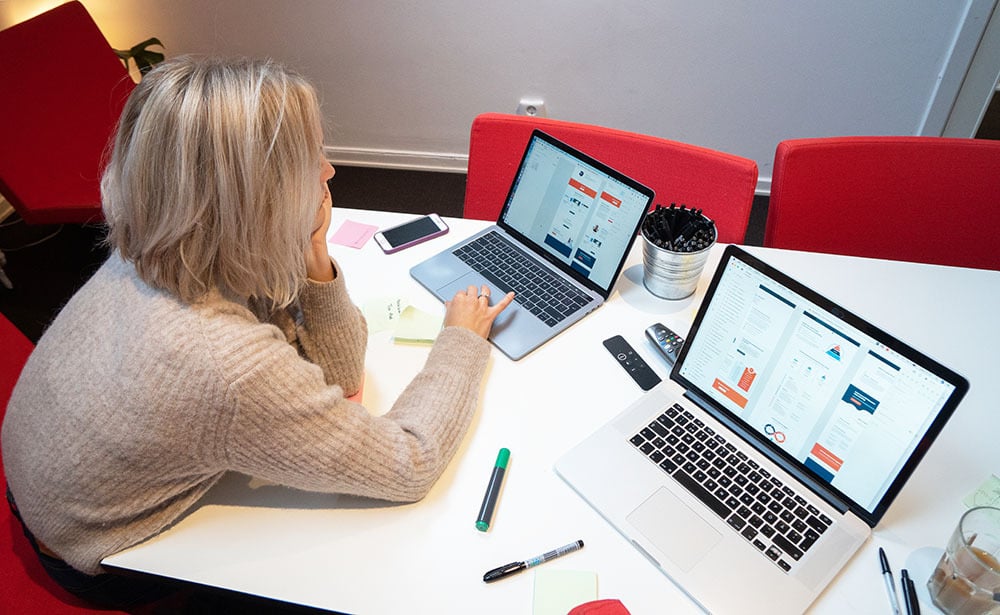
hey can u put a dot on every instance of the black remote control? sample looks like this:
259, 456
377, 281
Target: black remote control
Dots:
630, 360
668, 342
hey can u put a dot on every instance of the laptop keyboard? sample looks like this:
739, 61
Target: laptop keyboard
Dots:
537, 289
780, 523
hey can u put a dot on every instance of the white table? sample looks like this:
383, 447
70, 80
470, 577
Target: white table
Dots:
362, 556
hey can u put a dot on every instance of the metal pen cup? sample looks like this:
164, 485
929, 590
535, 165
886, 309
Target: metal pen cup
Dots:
669, 273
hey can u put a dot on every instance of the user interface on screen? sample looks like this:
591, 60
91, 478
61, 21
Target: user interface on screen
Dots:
578, 213
851, 409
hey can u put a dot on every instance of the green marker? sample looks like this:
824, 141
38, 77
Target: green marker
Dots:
492, 491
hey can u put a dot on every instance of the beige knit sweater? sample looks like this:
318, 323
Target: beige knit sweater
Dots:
134, 404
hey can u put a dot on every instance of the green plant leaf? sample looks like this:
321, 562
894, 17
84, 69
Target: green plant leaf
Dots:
141, 47
144, 58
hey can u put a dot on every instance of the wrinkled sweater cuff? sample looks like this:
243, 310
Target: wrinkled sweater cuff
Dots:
327, 303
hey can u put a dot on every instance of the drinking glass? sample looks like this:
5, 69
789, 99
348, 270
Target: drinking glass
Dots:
967, 578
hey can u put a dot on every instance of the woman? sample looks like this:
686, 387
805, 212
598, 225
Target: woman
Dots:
219, 334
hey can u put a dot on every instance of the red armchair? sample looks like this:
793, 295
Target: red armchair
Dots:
63, 90
721, 184
920, 199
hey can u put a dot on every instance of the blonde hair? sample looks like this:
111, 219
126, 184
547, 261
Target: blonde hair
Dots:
213, 180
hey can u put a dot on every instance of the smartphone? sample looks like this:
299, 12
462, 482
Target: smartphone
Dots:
410, 233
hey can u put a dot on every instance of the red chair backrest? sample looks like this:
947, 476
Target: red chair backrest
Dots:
920, 199
63, 90
721, 184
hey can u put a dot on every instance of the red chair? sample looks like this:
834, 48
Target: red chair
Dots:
920, 199
63, 90
721, 184
26, 587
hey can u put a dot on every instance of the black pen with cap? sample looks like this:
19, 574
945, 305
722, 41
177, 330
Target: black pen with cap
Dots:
909, 593
890, 584
515, 567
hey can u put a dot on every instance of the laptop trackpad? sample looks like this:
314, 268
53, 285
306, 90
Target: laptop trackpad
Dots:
463, 282
447, 292
674, 528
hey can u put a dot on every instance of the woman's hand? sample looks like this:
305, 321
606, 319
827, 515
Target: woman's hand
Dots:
471, 309
318, 265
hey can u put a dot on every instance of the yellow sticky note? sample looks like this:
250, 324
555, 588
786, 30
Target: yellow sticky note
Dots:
557, 592
417, 327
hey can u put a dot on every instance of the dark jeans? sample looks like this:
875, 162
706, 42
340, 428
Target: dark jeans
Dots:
105, 590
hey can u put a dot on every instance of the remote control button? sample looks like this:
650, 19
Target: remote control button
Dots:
666, 341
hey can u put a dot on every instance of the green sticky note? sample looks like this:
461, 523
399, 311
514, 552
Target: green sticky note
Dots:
557, 591
417, 326
988, 494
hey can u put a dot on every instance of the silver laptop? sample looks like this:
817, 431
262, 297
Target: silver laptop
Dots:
560, 243
799, 424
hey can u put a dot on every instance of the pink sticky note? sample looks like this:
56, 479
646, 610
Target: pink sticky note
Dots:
353, 234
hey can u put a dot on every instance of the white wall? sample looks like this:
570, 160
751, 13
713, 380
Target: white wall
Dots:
401, 81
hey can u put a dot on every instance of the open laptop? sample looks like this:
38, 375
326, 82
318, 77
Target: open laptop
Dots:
799, 424
560, 243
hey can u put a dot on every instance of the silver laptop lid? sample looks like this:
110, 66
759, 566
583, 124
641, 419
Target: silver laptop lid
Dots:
838, 402
575, 212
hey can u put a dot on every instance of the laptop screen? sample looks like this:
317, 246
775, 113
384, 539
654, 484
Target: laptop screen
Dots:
845, 402
575, 211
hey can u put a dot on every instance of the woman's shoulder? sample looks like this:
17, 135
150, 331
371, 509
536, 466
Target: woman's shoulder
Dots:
117, 307
230, 322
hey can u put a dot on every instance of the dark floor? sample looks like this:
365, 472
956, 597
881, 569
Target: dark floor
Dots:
989, 127
46, 272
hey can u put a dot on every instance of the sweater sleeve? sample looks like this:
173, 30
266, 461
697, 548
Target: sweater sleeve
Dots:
333, 333
327, 329
289, 426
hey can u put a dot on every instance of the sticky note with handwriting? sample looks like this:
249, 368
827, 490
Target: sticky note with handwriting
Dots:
382, 313
988, 494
